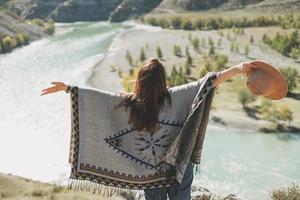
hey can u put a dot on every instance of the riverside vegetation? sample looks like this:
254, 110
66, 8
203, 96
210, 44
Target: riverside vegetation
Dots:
209, 58
16, 32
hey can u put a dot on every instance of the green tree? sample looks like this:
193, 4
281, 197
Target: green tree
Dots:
142, 55
38, 22
187, 25
203, 71
210, 41
285, 113
7, 42
268, 111
245, 97
211, 51
232, 46
19, 39
247, 50
237, 48
177, 51
188, 56
291, 76
176, 22
129, 58
295, 53
50, 27
195, 43
203, 42
251, 39
159, 53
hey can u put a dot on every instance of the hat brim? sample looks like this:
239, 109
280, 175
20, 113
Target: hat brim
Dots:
281, 87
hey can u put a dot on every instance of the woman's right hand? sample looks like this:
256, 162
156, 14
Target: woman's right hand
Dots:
58, 86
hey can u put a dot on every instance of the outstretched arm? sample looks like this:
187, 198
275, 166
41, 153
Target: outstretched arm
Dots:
242, 68
58, 86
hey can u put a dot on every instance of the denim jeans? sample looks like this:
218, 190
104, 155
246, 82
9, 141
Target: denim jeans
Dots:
179, 192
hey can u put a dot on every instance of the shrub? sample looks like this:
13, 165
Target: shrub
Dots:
245, 97
187, 25
7, 43
199, 22
289, 193
285, 113
267, 110
152, 21
129, 57
284, 44
189, 59
19, 39
38, 22
251, 39
176, 22
247, 50
177, 51
177, 77
163, 23
211, 51
159, 53
142, 55
295, 53
26, 37
195, 43
39, 193
232, 46
291, 76
203, 71
210, 41
50, 27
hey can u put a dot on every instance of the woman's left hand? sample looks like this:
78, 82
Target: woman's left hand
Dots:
246, 67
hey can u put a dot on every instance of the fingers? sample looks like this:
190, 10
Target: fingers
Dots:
253, 66
50, 88
56, 83
48, 91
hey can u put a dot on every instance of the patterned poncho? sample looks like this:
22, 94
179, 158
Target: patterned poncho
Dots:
107, 153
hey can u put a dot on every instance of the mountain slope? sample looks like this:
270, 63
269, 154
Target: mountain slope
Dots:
119, 10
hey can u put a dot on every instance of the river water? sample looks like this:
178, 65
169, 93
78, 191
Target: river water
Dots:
35, 130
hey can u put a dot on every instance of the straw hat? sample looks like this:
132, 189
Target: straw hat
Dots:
266, 80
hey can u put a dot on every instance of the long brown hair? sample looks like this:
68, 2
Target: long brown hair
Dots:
148, 97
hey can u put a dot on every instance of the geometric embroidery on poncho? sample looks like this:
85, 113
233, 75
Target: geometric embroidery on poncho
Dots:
149, 148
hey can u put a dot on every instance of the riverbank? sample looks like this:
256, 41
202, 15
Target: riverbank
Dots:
228, 112
16, 32
15, 187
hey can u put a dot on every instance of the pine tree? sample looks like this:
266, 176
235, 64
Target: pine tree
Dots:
142, 55
129, 58
211, 51
247, 50
159, 53
251, 39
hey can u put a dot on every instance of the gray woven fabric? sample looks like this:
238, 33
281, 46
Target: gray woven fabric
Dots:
106, 150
